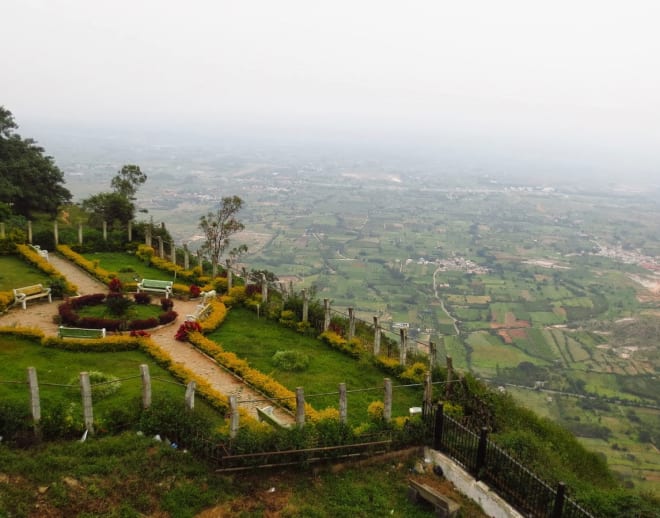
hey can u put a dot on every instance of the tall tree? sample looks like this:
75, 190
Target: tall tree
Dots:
29, 180
218, 227
127, 181
116, 207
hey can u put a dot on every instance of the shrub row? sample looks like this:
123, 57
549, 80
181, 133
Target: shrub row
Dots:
91, 267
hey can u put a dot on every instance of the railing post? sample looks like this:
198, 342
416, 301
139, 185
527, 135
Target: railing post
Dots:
186, 257
146, 386
35, 404
234, 416
343, 404
403, 335
305, 308
230, 277
558, 508
86, 392
56, 233
437, 429
29, 231
130, 231
387, 401
428, 396
450, 374
2, 229
161, 247
80, 233
190, 395
326, 315
351, 323
433, 355
376, 337
481, 453
105, 230
147, 235
300, 407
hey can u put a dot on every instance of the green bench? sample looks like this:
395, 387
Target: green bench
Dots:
444, 506
36, 291
156, 286
80, 332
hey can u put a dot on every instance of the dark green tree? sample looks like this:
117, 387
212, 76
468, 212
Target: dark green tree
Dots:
116, 207
29, 180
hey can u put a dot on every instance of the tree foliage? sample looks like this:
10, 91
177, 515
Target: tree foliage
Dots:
29, 180
116, 207
218, 227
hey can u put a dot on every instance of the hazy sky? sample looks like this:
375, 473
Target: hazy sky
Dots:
579, 76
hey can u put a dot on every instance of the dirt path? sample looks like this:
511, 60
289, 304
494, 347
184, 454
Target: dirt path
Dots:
42, 315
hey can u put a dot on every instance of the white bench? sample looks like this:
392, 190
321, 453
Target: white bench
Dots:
42, 253
202, 311
156, 286
80, 332
36, 291
267, 415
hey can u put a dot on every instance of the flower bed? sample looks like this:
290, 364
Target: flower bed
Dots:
69, 316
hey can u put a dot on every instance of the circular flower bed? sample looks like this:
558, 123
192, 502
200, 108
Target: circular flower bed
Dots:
69, 316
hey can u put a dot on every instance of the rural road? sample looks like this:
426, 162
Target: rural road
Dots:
42, 315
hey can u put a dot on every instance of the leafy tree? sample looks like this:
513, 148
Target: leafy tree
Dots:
29, 180
127, 181
218, 227
116, 207
109, 206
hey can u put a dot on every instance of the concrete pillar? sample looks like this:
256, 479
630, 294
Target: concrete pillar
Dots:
86, 392
56, 233
105, 231
80, 233
230, 279
376, 337
29, 231
186, 258
233, 416
305, 310
387, 400
403, 345
264, 289
300, 407
2, 230
35, 402
343, 404
146, 386
351, 323
190, 395
147, 235
326, 313
130, 231
161, 247
433, 355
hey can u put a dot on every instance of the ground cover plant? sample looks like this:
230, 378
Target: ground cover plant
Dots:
259, 341
131, 475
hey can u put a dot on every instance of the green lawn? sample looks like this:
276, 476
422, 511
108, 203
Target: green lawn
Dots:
128, 266
258, 340
16, 273
56, 368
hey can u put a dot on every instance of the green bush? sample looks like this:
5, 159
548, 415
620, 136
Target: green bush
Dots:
291, 360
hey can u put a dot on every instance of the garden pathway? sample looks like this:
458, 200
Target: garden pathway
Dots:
42, 315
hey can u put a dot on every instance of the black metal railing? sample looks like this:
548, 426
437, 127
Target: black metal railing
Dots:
487, 462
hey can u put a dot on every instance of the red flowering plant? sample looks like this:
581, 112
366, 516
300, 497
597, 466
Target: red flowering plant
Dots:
136, 333
186, 328
166, 304
115, 285
194, 291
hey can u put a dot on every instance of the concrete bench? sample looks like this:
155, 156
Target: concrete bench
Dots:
201, 312
42, 253
444, 506
267, 415
36, 291
80, 332
156, 286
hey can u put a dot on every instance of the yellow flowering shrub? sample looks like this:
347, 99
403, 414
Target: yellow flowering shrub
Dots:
25, 332
215, 318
